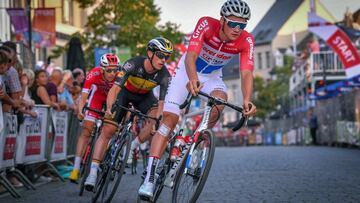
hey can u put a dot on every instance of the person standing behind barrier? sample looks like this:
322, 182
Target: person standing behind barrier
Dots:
64, 95
11, 79
38, 90
96, 87
4, 97
313, 125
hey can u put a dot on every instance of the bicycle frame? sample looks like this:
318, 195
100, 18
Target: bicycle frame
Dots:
169, 181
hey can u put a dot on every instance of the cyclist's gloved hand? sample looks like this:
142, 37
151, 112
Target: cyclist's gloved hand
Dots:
109, 114
80, 116
194, 86
249, 108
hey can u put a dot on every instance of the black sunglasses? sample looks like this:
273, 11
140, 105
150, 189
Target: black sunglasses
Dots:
161, 55
234, 24
109, 70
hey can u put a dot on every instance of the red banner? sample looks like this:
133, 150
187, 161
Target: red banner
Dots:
342, 45
59, 143
44, 27
9, 149
33, 145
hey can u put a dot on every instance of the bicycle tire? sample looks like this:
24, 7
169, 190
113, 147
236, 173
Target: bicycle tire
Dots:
126, 143
103, 176
205, 173
86, 168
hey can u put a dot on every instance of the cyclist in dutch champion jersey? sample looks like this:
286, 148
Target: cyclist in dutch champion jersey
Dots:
212, 45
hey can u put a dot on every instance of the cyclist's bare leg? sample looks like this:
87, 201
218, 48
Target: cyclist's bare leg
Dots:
157, 148
145, 132
83, 140
107, 131
216, 111
161, 137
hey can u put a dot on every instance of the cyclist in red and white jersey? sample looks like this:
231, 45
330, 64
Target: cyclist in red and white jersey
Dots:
96, 87
212, 45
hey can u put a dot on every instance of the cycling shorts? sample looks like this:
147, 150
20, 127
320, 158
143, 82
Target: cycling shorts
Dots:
177, 91
141, 102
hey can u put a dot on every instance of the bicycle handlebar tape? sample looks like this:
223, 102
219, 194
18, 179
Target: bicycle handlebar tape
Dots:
240, 124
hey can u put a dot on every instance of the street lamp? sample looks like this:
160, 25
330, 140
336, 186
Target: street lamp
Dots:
113, 31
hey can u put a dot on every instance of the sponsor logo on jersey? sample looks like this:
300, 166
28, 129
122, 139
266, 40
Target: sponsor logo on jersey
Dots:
199, 29
251, 43
92, 74
127, 66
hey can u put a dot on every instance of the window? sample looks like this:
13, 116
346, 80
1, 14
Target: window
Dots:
67, 11
268, 60
259, 61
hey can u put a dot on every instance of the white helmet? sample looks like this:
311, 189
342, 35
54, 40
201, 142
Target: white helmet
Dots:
109, 59
236, 8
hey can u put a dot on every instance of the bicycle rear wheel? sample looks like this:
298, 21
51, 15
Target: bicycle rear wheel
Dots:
117, 169
188, 186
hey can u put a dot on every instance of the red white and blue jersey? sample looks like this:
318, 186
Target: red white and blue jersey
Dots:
213, 54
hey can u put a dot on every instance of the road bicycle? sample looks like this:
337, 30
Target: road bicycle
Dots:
86, 161
187, 175
112, 168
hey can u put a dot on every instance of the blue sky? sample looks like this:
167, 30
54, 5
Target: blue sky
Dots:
187, 12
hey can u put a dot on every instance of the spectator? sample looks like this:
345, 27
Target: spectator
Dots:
24, 80
38, 90
55, 80
11, 79
79, 76
313, 125
64, 89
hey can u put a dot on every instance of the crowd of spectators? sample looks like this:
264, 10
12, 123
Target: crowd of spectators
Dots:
21, 89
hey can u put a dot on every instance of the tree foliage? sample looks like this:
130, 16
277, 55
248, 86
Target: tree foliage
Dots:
269, 95
138, 20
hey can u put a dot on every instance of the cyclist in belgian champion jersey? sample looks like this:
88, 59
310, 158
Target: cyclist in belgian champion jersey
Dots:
212, 45
141, 75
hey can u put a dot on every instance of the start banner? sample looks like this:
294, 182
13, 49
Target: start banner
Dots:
338, 41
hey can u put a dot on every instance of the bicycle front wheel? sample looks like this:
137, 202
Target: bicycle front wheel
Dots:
189, 184
118, 167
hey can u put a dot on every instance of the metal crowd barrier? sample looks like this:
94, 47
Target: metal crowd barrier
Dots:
41, 141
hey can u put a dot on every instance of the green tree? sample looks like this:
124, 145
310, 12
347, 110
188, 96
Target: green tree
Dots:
138, 20
268, 95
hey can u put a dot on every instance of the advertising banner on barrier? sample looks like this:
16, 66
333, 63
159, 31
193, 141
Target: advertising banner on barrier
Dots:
8, 141
348, 132
32, 137
1, 119
60, 120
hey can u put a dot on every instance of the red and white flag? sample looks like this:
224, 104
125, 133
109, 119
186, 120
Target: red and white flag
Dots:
338, 41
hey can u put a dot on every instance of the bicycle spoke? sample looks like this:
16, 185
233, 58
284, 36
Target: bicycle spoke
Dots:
190, 183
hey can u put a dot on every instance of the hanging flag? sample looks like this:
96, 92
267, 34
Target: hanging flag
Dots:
44, 34
18, 21
338, 41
